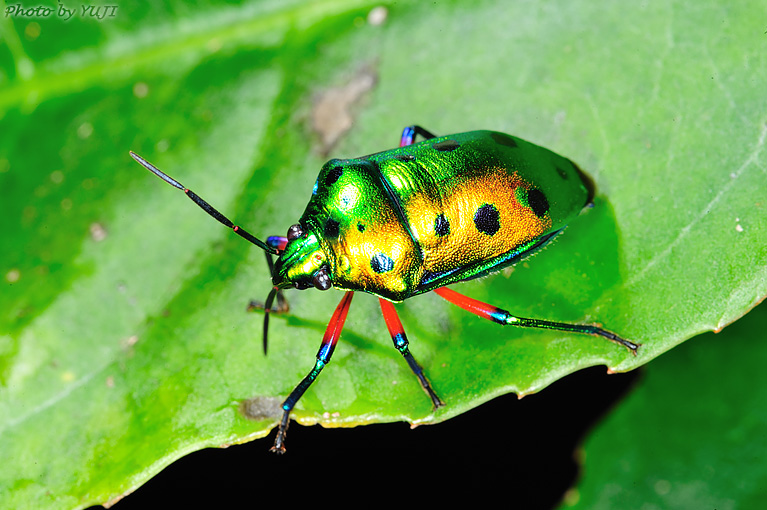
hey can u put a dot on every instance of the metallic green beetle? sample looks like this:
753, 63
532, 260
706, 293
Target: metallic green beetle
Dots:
415, 219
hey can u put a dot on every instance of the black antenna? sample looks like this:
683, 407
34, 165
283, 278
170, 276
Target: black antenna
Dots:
205, 205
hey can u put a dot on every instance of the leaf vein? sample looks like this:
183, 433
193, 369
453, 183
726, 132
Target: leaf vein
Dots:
752, 159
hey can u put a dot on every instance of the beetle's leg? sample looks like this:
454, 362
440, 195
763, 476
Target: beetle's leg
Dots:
504, 318
409, 133
278, 243
282, 304
329, 342
399, 338
268, 310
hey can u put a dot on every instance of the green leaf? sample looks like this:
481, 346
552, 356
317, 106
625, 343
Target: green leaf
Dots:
122, 315
692, 435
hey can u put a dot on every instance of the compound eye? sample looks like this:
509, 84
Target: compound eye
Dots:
321, 279
295, 231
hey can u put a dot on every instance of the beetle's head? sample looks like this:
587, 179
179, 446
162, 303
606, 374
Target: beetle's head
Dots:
303, 264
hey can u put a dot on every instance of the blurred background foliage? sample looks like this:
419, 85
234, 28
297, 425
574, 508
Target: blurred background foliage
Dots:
124, 341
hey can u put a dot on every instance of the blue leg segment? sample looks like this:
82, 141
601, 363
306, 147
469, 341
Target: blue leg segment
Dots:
410, 132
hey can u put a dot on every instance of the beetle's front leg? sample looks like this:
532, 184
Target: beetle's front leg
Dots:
278, 243
329, 342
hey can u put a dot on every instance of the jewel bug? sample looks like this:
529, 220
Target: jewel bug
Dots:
415, 219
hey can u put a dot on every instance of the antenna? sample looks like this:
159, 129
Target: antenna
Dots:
205, 205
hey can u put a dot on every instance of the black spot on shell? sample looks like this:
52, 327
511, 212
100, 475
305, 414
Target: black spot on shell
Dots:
487, 219
360, 227
562, 174
332, 228
446, 145
538, 202
441, 226
333, 175
502, 139
380, 263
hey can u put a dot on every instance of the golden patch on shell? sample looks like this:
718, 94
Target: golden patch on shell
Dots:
481, 219
380, 257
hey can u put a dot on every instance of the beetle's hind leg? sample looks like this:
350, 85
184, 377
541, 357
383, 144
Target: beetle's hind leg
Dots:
399, 338
410, 132
504, 318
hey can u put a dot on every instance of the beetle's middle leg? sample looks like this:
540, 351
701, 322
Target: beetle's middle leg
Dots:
399, 338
